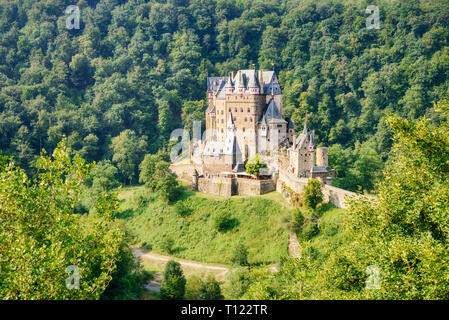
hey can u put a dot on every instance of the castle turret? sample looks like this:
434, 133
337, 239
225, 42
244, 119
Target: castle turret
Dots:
253, 87
240, 84
322, 157
311, 143
229, 87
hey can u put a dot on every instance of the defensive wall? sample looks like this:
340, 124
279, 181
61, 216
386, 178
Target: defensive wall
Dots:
282, 182
337, 196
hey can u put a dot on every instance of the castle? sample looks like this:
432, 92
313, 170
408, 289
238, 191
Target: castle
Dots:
244, 118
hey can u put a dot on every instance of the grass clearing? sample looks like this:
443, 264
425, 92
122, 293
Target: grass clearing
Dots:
259, 222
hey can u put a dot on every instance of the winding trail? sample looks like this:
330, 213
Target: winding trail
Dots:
293, 246
155, 284
186, 263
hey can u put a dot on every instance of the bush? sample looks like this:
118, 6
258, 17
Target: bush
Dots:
240, 255
313, 195
297, 220
309, 230
222, 221
173, 282
181, 209
199, 289
166, 244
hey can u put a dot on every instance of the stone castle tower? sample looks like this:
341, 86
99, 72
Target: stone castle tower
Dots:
253, 100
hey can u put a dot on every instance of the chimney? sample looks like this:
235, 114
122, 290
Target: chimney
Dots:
261, 81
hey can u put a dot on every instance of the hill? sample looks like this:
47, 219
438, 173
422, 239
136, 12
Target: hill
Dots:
259, 222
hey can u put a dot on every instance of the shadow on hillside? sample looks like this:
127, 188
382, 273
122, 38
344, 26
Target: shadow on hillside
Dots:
231, 225
125, 214
177, 250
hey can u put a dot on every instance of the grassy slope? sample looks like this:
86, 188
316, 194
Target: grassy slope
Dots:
330, 235
259, 223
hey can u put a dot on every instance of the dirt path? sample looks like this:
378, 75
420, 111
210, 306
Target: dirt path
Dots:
293, 246
220, 271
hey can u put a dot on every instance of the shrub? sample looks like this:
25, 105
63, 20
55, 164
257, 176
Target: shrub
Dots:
240, 255
199, 289
166, 244
181, 209
173, 282
313, 195
297, 220
309, 230
222, 221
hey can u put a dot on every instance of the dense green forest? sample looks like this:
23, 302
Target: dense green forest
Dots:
136, 70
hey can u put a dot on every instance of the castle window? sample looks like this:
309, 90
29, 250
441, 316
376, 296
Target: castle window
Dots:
229, 109
221, 130
250, 119
243, 129
249, 110
222, 112
246, 119
235, 118
235, 109
222, 121
241, 109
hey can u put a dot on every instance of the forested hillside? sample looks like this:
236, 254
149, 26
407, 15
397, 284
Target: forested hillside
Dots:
136, 70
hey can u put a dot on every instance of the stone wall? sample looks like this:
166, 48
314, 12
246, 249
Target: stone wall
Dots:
249, 187
338, 197
217, 185
184, 171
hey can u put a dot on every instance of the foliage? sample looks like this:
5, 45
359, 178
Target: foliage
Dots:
41, 237
254, 165
222, 220
181, 209
148, 167
173, 282
128, 152
158, 177
142, 65
313, 195
240, 255
296, 220
199, 289
403, 233
166, 244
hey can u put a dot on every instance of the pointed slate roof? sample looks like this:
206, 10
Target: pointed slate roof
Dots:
230, 124
311, 139
273, 111
252, 82
302, 138
214, 84
231, 146
229, 83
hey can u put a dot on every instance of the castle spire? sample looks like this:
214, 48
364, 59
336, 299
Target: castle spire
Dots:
311, 145
230, 125
304, 131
